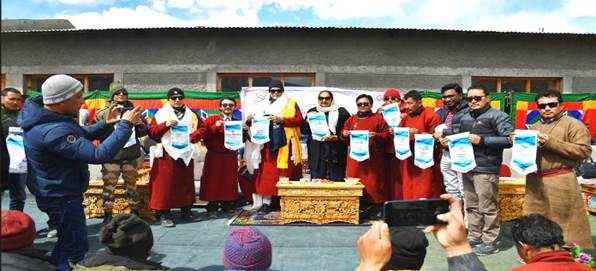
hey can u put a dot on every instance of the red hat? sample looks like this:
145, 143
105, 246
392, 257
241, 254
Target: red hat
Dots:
391, 92
18, 230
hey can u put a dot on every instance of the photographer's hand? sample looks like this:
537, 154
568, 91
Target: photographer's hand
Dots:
374, 247
451, 236
112, 114
133, 115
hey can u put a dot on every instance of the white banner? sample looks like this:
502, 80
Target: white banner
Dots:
523, 153
318, 126
401, 142
233, 135
392, 115
423, 150
259, 130
461, 152
16, 150
359, 145
180, 135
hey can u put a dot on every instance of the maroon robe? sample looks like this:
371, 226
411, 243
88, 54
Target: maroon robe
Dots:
371, 171
219, 181
172, 182
268, 173
392, 165
417, 182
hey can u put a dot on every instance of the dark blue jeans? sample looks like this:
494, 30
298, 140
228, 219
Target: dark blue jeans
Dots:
16, 188
72, 242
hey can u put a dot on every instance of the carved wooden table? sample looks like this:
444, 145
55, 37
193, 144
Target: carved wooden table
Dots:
589, 194
94, 202
511, 198
319, 203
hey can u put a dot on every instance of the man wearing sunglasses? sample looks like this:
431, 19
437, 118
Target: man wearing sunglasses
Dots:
454, 107
126, 160
563, 143
172, 173
420, 183
219, 181
489, 131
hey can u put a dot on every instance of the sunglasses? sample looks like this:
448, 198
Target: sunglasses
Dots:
228, 105
475, 98
363, 104
177, 98
391, 99
550, 105
275, 91
327, 98
121, 93
445, 97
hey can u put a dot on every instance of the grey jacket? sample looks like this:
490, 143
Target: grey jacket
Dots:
466, 262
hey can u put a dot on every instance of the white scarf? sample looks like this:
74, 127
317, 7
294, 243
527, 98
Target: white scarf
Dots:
276, 107
167, 113
333, 115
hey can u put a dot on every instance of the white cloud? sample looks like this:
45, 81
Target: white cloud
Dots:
580, 8
79, 2
346, 9
141, 16
159, 5
528, 22
182, 4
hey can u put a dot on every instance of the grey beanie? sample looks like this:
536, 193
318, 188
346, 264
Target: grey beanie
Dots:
59, 88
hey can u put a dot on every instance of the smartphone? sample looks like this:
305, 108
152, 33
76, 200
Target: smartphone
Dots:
414, 212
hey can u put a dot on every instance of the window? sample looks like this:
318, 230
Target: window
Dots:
518, 84
2, 81
235, 81
91, 82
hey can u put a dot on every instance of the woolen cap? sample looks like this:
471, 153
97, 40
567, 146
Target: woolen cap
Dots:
175, 91
116, 86
408, 248
391, 92
59, 88
18, 230
127, 235
276, 84
247, 248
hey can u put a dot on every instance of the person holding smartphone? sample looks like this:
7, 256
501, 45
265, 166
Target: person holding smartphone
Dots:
126, 161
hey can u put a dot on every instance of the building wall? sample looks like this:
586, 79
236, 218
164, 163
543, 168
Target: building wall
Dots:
152, 59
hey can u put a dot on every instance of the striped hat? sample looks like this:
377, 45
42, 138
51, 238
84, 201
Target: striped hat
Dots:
247, 248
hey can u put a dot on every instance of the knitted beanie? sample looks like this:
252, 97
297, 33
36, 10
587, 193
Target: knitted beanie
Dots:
247, 248
408, 248
18, 230
276, 84
127, 235
116, 86
175, 91
391, 92
59, 88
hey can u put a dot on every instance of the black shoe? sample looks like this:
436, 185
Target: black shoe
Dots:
485, 249
265, 209
107, 217
166, 220
185, 213
474, 243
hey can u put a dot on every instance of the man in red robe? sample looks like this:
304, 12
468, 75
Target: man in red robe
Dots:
371, 171
219, 182
172, 174
287, 160
420, 183
392, 176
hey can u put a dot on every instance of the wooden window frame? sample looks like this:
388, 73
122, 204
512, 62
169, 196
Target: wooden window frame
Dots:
282, 76
527, 81
85, 77
2, 81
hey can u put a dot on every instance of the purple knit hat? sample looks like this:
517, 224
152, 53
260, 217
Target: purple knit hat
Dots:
247, 248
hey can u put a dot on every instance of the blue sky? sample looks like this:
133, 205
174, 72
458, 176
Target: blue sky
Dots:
578, 16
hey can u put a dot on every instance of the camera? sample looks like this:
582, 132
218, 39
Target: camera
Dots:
414, 212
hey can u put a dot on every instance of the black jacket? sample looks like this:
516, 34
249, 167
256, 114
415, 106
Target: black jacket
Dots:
104, 259
461, 110
494, 128
26, 259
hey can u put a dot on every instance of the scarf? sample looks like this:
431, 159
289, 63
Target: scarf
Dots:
167, 112
364, 114
333, 115
180, 112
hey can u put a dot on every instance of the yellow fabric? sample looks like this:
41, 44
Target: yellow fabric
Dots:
292, 137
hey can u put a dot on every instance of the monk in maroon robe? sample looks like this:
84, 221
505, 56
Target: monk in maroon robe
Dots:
371, 171
219, 181
172, 179
420, 183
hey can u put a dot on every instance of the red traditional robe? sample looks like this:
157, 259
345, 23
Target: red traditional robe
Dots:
219, 181
172, 182
372, 171
268, 173
393, 180
417, 182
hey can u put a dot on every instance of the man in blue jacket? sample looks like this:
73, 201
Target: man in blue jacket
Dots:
59, 151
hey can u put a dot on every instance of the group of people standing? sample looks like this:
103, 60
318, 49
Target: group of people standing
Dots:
58, 150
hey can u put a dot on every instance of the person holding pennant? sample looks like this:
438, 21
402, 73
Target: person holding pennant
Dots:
392, 113
279, 152
172, 175
365, 159
462, 152
13, 135
326, 153
489, 130
421, 177
223, 137
553, 191
523, 152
